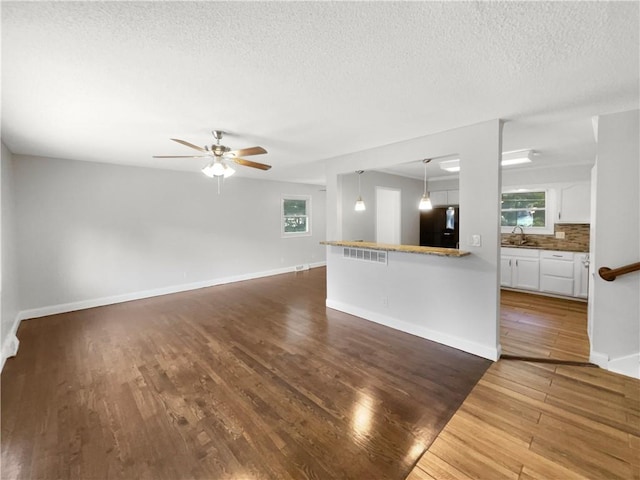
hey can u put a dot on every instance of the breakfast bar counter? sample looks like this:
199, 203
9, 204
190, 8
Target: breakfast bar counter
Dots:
443, 252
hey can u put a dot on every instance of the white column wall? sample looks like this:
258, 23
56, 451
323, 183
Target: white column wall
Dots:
9, 273
615, 310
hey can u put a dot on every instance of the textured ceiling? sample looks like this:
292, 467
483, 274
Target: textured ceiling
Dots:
113, 81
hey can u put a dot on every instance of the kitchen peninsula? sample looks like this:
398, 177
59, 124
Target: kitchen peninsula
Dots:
410, 288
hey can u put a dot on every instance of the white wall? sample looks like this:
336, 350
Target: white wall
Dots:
473, 320
93, 233
512, 177
361, 225
8, 267
615, 342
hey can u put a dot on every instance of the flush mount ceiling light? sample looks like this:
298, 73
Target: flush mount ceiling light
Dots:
360, 206
515, 157
450, 165
425, 201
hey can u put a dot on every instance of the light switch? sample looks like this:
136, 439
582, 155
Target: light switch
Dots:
475, 240
560, 235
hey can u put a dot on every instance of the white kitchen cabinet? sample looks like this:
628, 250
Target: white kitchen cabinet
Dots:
444, 198
581, 275
453, 197
574, 203
506, 277
548, 271
519, 268
556, 272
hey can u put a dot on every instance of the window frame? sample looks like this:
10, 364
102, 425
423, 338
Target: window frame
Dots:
549, 202
307, 199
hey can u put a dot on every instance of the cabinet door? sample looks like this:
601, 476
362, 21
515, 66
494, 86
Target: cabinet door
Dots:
453, 197
581, 276
527, 273
505, 271
575, 204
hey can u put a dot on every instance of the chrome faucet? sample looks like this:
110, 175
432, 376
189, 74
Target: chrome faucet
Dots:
523, 239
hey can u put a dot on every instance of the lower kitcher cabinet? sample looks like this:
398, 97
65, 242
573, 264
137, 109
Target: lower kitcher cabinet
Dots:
557, 272
520, 272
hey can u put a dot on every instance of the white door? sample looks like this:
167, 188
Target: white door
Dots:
388, 211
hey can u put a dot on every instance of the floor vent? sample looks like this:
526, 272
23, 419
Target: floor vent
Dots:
375, 256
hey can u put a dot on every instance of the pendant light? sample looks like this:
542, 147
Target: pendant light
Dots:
360, 206
425, 201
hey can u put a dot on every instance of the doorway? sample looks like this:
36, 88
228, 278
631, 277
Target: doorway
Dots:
388, 215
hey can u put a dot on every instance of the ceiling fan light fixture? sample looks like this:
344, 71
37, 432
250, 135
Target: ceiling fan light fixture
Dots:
208, 170
228, 171
217, 169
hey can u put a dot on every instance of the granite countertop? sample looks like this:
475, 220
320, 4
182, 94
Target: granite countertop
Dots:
443, 252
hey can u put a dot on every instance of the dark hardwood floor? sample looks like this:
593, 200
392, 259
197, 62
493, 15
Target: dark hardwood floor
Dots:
249, 380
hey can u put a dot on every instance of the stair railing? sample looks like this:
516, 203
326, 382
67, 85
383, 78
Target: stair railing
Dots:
610, 275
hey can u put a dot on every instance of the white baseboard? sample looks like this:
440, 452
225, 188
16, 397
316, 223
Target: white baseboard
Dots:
600, 359
438, 337
10, 344
127, 297
628, 365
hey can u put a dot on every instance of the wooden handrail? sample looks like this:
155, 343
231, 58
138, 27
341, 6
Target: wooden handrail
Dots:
610, 275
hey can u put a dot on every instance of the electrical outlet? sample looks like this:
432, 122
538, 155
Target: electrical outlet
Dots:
385, 301
560, 235
475, 240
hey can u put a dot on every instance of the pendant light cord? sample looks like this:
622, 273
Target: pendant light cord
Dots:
425, 178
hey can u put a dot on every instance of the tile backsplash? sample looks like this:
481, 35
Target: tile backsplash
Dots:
576, 238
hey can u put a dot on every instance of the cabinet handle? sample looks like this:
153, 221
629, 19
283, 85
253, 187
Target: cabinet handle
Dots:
509, 262
516, 262
559, 256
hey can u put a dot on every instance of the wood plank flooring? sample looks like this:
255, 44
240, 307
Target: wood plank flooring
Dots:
544, 327
530, 421
539, 421
249, 380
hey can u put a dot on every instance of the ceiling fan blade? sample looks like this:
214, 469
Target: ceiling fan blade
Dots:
249, 163
191, 145
180, 156
245, 152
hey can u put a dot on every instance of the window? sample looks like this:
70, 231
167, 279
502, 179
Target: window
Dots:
296, 215
524, 209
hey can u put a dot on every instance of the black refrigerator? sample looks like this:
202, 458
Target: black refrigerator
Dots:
439, 227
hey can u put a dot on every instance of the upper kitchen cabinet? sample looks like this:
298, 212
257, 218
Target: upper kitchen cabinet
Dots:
574, 203
445, 198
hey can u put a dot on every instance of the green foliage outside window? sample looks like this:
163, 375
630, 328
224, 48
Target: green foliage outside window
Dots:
296, 219
524, 209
